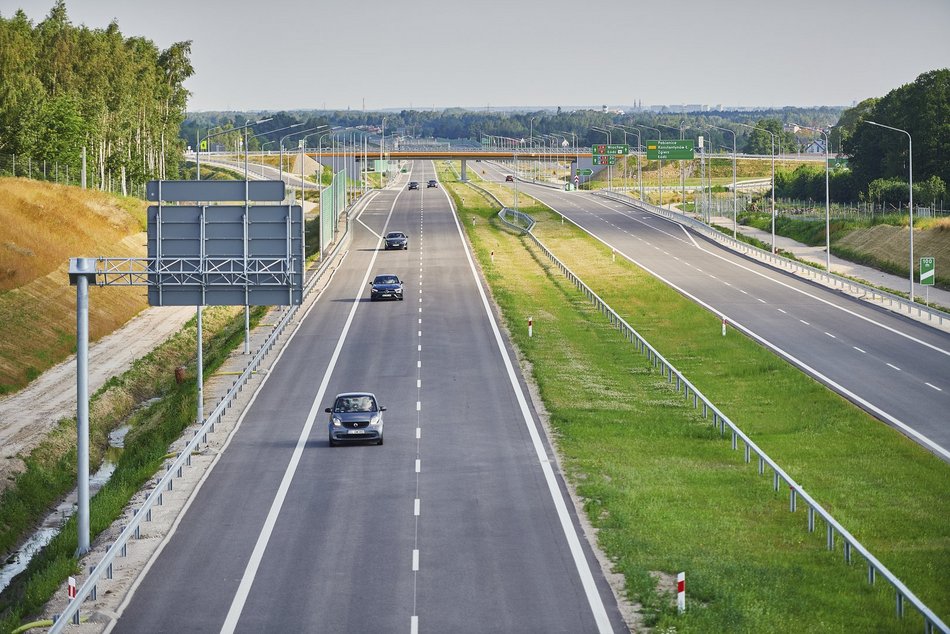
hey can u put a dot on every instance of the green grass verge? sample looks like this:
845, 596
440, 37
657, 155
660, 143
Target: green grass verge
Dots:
667, 494
51, 468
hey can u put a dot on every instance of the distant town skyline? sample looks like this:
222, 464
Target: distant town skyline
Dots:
298, 55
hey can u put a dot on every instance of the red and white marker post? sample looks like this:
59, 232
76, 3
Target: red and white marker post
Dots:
681, 592
71, 588
723, 326
530, 326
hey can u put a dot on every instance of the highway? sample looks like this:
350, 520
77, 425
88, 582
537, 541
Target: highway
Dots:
896, 368
459, 523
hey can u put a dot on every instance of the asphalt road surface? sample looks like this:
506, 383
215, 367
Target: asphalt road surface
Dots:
458, 523
896, 368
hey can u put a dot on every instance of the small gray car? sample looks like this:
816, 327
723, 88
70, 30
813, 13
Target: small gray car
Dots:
355, 416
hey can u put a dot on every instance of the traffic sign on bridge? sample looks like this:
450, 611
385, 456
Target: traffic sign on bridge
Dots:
670, 150
612, 149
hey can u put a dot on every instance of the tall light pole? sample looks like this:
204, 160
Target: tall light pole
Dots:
198, 150
910, 187
795, 128
281, 143
606, 132
624, 130
735, 192
659, 171
755, 127
682, 164
636, 131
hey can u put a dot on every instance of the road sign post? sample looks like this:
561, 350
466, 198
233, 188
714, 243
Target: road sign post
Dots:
928, 274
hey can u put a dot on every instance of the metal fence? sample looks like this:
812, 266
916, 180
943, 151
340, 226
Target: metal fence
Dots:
797, 494
62, 173
174, 469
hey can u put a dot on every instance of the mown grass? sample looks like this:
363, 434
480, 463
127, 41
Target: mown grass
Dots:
667, 494
51, 467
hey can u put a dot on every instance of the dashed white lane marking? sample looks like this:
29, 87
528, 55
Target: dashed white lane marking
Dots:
419, 363
415, 560
759, 299
419, 348
420, 333
891, 365
804, 322
418, 406
781, 311
933, 386
418, 383
418, 465
859, 349
418, 433
414, 625
415, 507
743, 292
831, 335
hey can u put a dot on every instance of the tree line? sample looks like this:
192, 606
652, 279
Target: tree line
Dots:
64, 88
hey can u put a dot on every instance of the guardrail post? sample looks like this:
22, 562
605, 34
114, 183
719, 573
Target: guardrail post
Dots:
109, 571
831, 537
811, 519
900, 604
847, 552
792, 500
735, 438
872, 573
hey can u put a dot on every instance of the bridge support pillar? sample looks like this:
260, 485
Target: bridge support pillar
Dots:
464, 171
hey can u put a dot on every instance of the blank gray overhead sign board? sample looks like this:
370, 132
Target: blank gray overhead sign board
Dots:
180, 191
199, 256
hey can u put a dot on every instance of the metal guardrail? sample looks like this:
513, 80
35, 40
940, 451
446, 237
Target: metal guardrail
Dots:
174, 470
779, 476
820, 275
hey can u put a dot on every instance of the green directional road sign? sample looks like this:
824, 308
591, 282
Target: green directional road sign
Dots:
670, 150
585, 172
617, 149
604, 160
927, 271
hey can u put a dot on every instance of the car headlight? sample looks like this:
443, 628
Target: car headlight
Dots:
375, 290
375, 420
336, 421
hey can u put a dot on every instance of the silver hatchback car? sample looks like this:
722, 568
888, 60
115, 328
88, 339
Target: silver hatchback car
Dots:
355, 416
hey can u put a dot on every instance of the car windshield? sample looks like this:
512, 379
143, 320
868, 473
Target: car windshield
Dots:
358, 403
395, 234
387, 279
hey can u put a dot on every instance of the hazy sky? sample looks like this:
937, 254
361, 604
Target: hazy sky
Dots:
288, 54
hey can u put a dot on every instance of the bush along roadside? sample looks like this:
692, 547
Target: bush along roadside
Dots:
156, 408
667, 494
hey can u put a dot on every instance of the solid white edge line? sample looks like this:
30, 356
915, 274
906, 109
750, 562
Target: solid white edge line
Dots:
257, 556
194, 494
909, 431
573, 541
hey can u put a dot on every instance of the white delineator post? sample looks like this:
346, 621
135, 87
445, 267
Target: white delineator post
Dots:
681, 592
530, 326
723, 326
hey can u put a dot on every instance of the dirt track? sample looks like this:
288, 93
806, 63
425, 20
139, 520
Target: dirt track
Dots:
28, 415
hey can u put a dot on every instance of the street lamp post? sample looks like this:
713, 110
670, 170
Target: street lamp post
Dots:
910, 187
198, 149
735, 192
659, 171
607, 133
636, 131
682, 164
771, 134
624, 130
281, 143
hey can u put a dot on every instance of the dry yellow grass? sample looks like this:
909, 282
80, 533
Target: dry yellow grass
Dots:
41, 227
890, 243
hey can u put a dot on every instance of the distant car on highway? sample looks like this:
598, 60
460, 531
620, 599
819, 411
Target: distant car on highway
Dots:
413, 185
432, 183
355, 416
396, 240
509, 178
385, 286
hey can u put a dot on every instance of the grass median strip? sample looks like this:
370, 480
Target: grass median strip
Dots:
667, 494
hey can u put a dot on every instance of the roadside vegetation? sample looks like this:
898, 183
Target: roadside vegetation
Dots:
148, 399
667, 494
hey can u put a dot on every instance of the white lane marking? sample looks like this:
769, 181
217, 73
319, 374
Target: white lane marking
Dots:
420, 333
415, 560
891, 365
420, 320
418, 383
893, 420
413, 624
760, 274
781, 311
804, 322
419, 348
933, 386
418, 406
859, 349
418, 433
573, 541
418, 363
743, 292
831, 335
415, 507
418, 465
759, 299
247, 580
368, 229
690, 236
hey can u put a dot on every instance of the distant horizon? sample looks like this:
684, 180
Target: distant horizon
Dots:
564, 109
